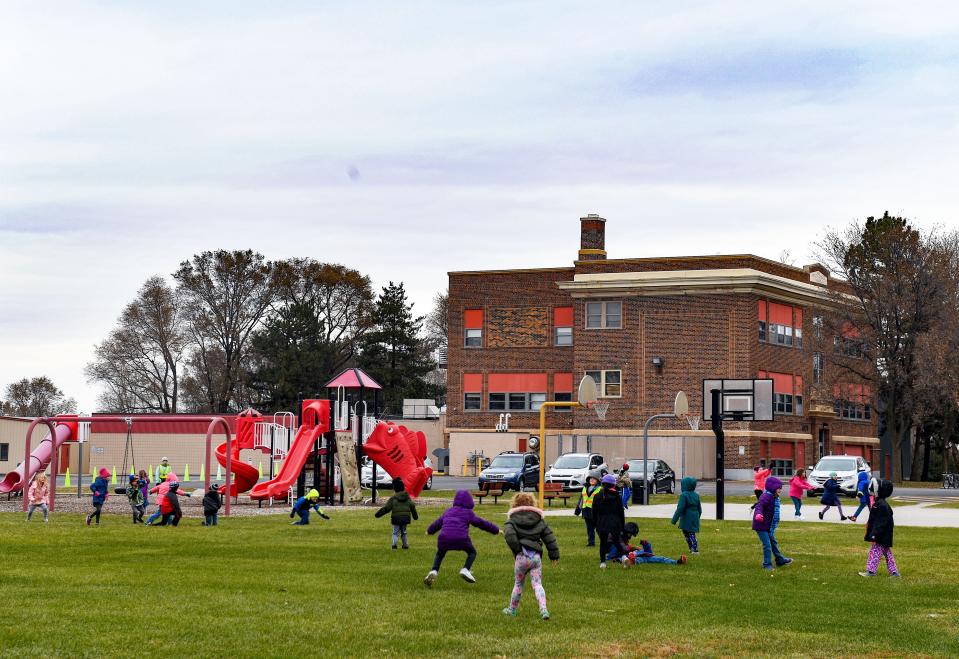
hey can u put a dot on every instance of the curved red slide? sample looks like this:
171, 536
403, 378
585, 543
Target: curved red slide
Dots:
39, 459
244, 476
292, 465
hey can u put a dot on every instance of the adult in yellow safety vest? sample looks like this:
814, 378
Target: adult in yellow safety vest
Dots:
163, 470
585, 506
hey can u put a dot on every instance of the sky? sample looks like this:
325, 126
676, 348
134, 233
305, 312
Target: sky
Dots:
409, 139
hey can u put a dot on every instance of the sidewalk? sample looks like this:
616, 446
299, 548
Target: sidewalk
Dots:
920, 515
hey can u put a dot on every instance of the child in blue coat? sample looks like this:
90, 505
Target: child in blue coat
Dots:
862, 491
99, 487
830, 496
303, 505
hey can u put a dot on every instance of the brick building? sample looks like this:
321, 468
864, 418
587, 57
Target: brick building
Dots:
645, 329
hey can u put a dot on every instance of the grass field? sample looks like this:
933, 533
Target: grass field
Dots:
256, 587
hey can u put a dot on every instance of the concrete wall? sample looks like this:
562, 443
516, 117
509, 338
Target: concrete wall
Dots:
13, 433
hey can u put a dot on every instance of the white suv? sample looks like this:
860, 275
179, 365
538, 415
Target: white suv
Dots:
847, 468
572, 469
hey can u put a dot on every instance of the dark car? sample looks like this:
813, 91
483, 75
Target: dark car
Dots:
662, 478
512, 471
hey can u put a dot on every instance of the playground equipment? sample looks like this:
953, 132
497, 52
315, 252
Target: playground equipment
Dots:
352, 387
401, 452
246, 475
62, 429
315, 420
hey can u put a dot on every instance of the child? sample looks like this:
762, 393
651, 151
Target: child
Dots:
608, 516
135, 497
99, 488
688, 511
170, 506
759, 482
879, 530
585, 506
403, 511
38, 495
161, 490
211, 505
525, 533
797, 485
763, 521
862, 491
144, 483
302, 508
830, 496
625, 485
628, 554
454, 528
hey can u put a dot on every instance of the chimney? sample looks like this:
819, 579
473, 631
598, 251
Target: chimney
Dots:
592, 238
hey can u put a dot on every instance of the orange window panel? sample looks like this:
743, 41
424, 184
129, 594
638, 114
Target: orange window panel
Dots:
780, 314
563, 316
798, 320
563, 383
782, 383
762, 310
472, 383
517, 382
798, 386
473, 319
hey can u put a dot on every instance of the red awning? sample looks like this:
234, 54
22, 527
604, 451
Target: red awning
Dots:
353, 378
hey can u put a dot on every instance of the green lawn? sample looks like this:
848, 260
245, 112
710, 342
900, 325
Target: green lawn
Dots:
256, 587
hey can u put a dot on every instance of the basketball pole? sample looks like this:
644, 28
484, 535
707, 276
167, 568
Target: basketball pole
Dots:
716, 418
542, 443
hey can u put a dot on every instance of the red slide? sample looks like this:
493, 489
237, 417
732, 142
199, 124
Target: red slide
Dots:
292, 465
244, 476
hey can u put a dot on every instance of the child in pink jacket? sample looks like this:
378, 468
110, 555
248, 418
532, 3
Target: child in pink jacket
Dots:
759, 482
797, 485
39, 495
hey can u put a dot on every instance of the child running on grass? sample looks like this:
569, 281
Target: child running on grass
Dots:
303, 506
830, 496
689, 509
135, 497
211, 505
99, 488
525, 533
454, 529
170, 506
879, 530
402, 509
609, 517
862, 491
160, 490
759, 482
763, 524
39, 495
797, 485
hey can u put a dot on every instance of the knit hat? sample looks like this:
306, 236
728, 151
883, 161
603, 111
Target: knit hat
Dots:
626, 467
132, 478
174, 486
398, 485
833, 474
608, 479
215, 486
104, 472
631, 529
312, 494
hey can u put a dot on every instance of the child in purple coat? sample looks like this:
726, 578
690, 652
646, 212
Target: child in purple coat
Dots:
764, 520
454, 528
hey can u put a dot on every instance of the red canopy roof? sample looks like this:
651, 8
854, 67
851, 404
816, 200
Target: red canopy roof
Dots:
353, 378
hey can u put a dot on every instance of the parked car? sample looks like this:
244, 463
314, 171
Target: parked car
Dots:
514, 471
662, 477
383, 479
847, 468
572, 469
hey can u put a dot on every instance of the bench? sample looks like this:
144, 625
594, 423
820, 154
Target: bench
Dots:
555, 491
488, 490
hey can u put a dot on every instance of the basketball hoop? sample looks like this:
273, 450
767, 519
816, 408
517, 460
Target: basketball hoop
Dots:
693, 421
600, 407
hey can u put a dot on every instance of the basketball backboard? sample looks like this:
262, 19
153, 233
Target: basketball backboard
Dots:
587, 391
681, 405
742, 400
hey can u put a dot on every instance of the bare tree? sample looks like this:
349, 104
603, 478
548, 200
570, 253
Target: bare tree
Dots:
138, 363
437, 320
36, 397
226, 295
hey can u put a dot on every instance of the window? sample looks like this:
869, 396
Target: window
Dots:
783, 403
787, 392
497, 402
781, 467
564, 336
474, 338
4, 452
762, 331
536, 402
604, 315
516, 402
780, 324
817, 367
847, 409
472, 401
817, 327
563, 397
848, 347
780, 334
563, 326
609, 383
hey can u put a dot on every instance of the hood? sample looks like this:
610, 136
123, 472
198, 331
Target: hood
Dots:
688, 484
463, 499
402, 496
312, 494
104, 472
171, 478
885, 489
608, 479
398, 485
773, 484
863, 478
525, 515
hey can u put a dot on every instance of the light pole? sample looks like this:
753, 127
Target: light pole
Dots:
646, 425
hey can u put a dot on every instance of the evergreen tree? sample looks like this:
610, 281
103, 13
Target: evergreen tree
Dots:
394, 353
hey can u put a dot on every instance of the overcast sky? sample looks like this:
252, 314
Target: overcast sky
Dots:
407, 139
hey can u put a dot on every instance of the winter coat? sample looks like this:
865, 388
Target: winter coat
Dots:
880, 525
454, 524
830, 493
134, 494
759, 478
402, 508
38, 493
862, 487
526, 529
776, 515
99, 489
211, 501
689, 508
581, 507
170, 503
608, 512
799, 485
766, 506
145, 488
303, 504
